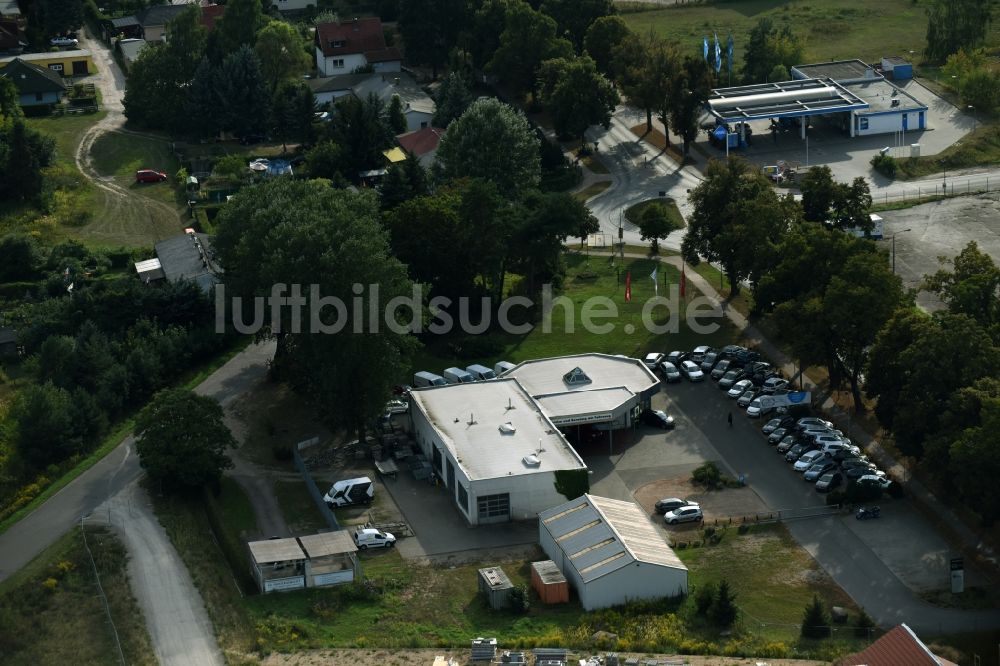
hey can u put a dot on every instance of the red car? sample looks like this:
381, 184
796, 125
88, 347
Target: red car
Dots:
149, 176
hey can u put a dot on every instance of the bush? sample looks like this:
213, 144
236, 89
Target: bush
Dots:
707, 475
704, 596
885, 165
863, 626
859, 493
723, 611
520, 601
835, 497
815, 620
743, 529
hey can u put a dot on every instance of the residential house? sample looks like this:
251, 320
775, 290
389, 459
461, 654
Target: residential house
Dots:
36, 86
292, 5
328, 89
344, 47
418, 107
9, 9
12, 41
66, 63
422, 144
125, 27
130, 50
898, 647
153, 20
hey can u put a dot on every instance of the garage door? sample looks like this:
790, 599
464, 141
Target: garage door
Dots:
494, 508
80, 68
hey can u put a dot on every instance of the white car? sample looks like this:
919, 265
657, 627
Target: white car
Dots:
739, 387
397, 407
684, 514
809, 459
692, 371
881, 481
653, 360
754, 409
773, 384
369, 537
63, 41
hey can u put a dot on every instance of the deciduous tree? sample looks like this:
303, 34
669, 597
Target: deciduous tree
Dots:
279, 49
972, 287
574, 17
237, 28
689, 90
452, 99
431, 28
655, 225
243, 93
576, 95
954, 25
767, 48
528, 39
602, 39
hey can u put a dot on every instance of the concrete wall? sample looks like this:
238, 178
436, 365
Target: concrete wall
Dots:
887, 123
326, 68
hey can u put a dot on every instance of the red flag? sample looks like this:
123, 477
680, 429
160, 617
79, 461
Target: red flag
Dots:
683, 282
628, 287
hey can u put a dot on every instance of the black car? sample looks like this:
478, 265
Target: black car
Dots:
829, 481
798, 451
729, 352
786, 422
658, 419
721, 368
671, 503
676, 357
786, 443
855, 473
709, 361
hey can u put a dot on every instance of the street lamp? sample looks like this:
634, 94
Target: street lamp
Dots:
975, 117
903, 231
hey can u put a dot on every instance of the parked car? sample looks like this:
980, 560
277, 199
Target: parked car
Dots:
658, 419
808, 459
829, 481
786, 444
773, 384
64, 41
397, 407
779, 422
370, 537
684, 514
737, 389
698, 355
670, 372
149, 176
707, 363
850, 453
797, 451
777, 435
692, 371
720, 368
671, 503
676, 357
880, 481
653, 360
731, 378
730, 351
754, 409
806, 421
855, 473
747, 397
818, 469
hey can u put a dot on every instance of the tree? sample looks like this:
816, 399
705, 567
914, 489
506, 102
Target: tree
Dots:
655, 224
646, 68
956, 24
574, 17
181, 439
723, 611
690, 88
20, 257
576, 95
819, 191
305, 233
851, 206
431, 28
704, 596
487, 24
403, 181
237, 28
325, 160
10, 104
548, 219
528, 39
603, 38
361, 129
886, 374
815, 620
243, 93
44, 432
293, 111
972, 287
768, 48
974, 456
492, 141
62, 16
395, 116
203, 102
737, 221
279, 49
24, 153
452, 99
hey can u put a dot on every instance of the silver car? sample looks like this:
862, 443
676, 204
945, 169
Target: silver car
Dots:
684, 514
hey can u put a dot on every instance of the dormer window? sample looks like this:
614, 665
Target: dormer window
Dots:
337, 43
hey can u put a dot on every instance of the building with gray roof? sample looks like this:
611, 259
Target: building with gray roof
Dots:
610, 552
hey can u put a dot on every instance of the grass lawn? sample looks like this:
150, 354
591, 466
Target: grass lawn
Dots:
862, 29
586, 278
592, 190
51, 613
297, 505
976, 149
634, 213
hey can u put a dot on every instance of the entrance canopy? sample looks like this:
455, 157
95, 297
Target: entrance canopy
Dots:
783, 99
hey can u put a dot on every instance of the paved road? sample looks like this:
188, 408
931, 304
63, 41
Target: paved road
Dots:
179, 628
22, 542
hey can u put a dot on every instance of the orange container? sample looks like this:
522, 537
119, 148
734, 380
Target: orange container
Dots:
549, 582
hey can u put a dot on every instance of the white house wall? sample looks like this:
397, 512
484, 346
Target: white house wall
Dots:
887, 123
417, 120
639, 580
326, 68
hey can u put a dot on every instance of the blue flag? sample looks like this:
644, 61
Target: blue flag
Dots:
718, 54
705, 47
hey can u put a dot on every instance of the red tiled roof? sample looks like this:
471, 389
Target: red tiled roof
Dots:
210, 14
360, 35
899, 647
421, 141
384, 55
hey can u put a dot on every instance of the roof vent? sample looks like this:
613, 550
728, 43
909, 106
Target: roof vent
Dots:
510, 404
508, 428
472, 419
531, 460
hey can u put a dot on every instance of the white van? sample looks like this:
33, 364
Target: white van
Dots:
424, 379
372, 538
480, 372
457, 376
502, 367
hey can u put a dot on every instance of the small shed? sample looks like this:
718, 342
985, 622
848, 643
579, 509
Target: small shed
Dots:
493, 583
277, 564
8, 341
149, 270
897, 69
331, 559
549, 582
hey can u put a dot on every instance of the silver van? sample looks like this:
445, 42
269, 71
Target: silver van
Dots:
480, 372
457, 376
424, 379
502, 367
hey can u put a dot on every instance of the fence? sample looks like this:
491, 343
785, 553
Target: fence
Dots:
948, 187
317, 496
100, 590
782, 515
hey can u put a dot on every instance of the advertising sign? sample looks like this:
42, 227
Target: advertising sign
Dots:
786, 400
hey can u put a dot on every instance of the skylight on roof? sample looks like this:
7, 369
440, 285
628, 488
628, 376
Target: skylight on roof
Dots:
576, 376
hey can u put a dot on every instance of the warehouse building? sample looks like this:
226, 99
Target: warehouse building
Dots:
610, 553
493, 447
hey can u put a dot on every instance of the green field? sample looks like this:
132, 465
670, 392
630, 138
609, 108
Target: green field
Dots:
829, 30
586, 278
50, 612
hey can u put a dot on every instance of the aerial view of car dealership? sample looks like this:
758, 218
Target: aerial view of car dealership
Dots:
542, 332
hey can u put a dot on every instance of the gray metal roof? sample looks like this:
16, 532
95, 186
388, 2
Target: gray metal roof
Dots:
838, 70
50, 55
471, 420
548, 572
328, 543
124, 22
158, 15
182, 258
276, 550
385, 86
544, 377
131, 48
601, 535
335, 83
783, 99
576, 405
